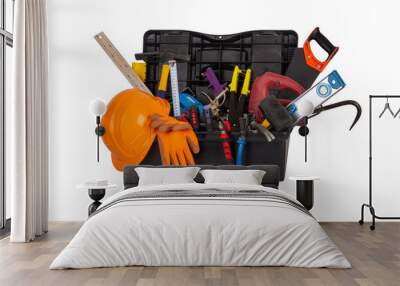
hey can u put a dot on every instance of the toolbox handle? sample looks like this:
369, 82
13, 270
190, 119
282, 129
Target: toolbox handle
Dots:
324, 43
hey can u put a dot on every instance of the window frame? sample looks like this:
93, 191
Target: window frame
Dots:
6, 39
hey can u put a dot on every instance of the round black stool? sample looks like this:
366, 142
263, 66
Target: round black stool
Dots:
305, 190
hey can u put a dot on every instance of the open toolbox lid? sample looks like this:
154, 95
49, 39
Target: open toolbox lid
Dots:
262, 51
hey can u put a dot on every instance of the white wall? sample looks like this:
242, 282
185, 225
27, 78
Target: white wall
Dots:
366, 31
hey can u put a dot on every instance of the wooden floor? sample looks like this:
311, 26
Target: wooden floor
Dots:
375, 257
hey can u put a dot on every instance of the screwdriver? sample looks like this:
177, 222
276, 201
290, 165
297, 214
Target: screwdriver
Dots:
241, 142
162, 86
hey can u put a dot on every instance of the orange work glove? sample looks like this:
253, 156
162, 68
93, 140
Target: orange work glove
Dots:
176, 146
165, 123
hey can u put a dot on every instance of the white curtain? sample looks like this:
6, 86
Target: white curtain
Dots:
27, 160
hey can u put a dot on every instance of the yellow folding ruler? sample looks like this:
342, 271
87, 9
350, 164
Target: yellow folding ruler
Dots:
120, 62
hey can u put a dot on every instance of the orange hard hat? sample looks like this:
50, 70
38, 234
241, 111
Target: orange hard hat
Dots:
129, 135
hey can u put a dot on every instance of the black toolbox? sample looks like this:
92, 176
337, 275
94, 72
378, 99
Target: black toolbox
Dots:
262, 51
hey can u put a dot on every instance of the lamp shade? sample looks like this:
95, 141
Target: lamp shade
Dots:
97, 107
305, 108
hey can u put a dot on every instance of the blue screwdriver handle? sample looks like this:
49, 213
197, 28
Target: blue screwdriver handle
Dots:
240, 151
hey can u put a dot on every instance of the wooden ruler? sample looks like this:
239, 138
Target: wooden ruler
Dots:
120, 62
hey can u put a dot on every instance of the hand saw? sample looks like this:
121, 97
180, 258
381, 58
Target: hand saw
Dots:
305, 66
120, 62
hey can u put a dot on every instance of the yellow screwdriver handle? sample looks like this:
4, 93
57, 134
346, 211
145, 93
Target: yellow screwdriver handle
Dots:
140, 69
266, 124
246, 83
164, 78
233, 86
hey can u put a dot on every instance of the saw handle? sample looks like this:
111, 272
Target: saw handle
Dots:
322, 41
325, 44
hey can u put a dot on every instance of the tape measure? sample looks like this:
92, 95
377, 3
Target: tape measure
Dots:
173, 72
120, 62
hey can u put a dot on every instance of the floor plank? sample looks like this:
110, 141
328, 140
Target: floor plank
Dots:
375, 257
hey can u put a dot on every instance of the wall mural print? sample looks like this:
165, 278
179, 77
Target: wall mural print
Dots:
196, 77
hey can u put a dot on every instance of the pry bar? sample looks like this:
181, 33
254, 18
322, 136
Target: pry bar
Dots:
354, 103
